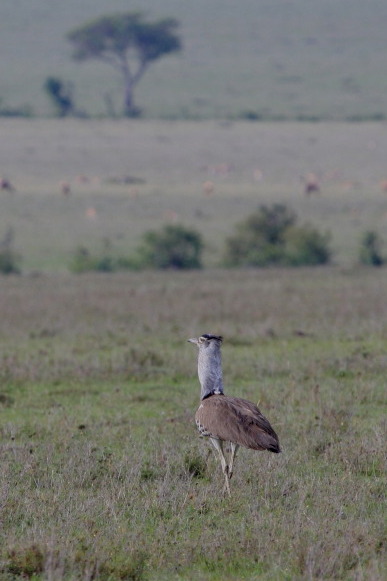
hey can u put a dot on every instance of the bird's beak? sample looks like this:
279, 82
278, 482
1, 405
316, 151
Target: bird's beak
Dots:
193, 340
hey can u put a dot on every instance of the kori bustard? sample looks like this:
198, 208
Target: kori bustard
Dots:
227, 419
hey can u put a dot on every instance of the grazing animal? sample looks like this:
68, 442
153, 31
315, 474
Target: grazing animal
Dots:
383, 186
311, 184
91, 214
227, 419
208, 188
6, 185
65, 188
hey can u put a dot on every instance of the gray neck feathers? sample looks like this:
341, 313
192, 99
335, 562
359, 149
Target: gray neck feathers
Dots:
210, 370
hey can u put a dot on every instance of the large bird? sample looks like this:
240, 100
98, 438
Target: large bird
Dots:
227, 419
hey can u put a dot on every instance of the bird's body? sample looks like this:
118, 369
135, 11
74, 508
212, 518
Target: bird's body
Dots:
236, 420
227, 419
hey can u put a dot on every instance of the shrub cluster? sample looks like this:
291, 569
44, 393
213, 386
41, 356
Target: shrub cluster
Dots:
174, 247
270, 236
105, 261
83, 261
9, 258
61, 95
9, 261
371, 249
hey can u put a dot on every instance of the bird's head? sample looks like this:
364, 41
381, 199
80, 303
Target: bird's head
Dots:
206, 341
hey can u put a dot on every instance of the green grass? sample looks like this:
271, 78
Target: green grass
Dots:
298, 60
172, 161
103, 473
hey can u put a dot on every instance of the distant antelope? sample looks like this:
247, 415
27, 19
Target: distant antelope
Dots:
171, 215
220, 170
65, 188
82, 179
208, 188
6, 185
383, 186
311, 184
91, 213
258, 175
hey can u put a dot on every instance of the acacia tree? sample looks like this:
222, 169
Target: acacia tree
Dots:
128, 43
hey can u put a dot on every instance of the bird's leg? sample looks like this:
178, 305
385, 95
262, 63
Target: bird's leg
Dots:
218, 445
234, 448
226, 487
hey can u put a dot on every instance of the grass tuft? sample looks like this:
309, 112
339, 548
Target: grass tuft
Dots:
25, 561
195, 465
129, 568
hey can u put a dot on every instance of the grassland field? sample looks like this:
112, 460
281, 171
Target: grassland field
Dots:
103, 473
289, 60
169, 162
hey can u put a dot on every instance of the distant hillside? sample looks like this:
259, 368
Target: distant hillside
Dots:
292, 59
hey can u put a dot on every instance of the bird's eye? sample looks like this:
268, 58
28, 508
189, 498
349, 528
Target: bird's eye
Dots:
201, 339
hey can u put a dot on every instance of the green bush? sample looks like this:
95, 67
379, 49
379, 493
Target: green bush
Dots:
270, 236
371, 249
9, 262
84, 261
259, 239
174, 246
306, 246
9, 258
61, 96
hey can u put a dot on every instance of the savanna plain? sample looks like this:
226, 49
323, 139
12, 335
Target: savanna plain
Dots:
293, 60
104, 475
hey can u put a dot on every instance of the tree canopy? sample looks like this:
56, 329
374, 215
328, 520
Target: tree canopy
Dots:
127, 42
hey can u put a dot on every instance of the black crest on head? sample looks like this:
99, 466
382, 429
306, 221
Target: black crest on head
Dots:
217, 337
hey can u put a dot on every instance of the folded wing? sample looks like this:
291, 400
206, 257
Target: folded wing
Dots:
236, 420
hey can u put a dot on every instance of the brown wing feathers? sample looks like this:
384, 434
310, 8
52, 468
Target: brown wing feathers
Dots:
237, 420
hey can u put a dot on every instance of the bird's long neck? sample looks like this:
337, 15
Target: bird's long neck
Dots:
210, 372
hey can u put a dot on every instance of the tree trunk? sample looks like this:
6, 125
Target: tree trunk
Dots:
130, 109
130, 81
